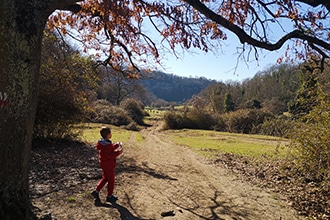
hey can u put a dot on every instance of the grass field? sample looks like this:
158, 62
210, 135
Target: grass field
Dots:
209, 143
90, 132
213, 142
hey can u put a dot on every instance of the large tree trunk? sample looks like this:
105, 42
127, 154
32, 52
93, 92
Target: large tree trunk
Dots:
21, 28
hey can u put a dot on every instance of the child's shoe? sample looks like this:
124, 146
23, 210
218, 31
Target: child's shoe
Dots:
95, 194
112, 199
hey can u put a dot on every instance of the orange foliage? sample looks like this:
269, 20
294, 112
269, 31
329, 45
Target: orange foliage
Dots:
118, 28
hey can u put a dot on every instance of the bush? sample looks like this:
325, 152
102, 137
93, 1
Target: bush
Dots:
244, 120
59, 106
220, 124
201, 119
189, 118
59, 130
104, 112
177, 120
133, 126
278, 127
311, 143
135, 110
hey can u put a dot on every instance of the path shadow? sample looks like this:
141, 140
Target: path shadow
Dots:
129, 165
98, 203
125, 214
219, 208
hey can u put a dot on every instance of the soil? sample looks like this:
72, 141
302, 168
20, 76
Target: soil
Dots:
156, 179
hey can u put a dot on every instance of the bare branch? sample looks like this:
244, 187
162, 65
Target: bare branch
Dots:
245, 38
315, 3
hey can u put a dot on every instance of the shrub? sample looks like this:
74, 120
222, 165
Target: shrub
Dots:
201, 119
244, 120
219, 124
135, 110
311, 143
64, 83
189, 118
177, 120
104, 112
279, 127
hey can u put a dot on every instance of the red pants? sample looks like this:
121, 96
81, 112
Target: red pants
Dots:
108, 176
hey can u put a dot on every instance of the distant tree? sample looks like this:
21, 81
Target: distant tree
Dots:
280, 81
307, 95
116, 86
217, 99
198, 103
253, 104
229, 104
173, 88
275, 106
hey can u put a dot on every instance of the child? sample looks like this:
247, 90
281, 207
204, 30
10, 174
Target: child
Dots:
107, 153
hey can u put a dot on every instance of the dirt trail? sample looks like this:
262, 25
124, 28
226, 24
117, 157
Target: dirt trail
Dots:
159, 176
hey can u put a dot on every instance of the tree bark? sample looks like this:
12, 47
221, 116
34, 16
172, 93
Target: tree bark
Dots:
21, 28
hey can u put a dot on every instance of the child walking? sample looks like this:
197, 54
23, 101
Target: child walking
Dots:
107, 153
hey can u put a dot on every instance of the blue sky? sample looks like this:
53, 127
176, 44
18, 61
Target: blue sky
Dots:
221, 65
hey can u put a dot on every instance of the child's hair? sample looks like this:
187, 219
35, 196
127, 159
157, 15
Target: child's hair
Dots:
105, 131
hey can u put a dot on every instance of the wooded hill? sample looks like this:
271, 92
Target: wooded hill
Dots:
273, 88
173, 88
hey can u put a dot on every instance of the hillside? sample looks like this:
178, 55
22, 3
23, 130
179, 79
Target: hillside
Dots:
173, 88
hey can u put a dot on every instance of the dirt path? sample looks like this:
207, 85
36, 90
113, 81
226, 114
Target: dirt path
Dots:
159, 177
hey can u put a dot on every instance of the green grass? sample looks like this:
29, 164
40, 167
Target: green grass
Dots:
72, 199
208, 143
90, 132
212, 142
139, 138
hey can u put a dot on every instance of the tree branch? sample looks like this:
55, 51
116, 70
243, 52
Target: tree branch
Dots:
315, 3
245, 38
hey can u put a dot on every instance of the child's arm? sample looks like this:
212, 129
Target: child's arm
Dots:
118, 149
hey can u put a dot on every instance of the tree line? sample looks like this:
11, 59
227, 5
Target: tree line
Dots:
68, 93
